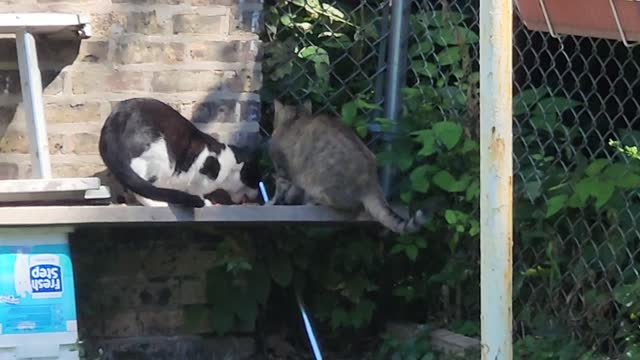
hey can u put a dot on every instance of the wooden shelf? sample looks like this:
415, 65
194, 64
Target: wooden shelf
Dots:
21, 216
49, 23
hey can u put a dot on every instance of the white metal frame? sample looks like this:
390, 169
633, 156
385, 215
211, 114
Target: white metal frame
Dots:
496, 178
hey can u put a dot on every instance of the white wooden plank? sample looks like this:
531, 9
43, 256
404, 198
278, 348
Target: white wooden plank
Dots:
44, 23
120, 214
49, 185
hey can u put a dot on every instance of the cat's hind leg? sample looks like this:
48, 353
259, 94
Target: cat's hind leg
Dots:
282, 187
294, 196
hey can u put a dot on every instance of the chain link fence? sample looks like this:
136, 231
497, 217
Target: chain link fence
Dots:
576, 200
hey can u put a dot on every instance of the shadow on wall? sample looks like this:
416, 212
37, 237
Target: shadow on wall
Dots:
53, 57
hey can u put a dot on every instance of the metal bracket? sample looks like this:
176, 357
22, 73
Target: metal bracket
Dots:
619, 25
543, 7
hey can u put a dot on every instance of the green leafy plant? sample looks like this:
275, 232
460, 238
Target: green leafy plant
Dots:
309, 47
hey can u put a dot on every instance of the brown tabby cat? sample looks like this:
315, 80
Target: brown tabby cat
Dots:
320, 159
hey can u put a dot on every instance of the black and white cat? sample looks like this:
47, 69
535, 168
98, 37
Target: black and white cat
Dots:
162, 158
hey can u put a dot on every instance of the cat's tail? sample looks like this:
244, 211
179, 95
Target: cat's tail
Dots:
379, 209
123, 172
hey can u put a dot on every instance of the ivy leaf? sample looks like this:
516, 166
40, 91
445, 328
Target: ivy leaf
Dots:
447, 182
411, 251
448, 133
424, 68
439, 18
603, 193
259, 283
362, 129
349, 113
221, 320
397, 248
455, 216
556, 104
421, 49
246, 308
406, 197
622, 176
556, 204
596, 167
419, 181
454, 36
281, 270
627, 295
450, 55
315, 54
585, 187
525, 99
629, 181
428, 141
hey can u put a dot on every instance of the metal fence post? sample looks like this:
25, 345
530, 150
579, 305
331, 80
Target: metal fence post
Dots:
496, 178
396, 72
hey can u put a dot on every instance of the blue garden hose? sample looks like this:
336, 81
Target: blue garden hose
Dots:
305, 318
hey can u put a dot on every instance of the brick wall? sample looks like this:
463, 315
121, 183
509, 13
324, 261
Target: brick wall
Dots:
200, 56
144, 288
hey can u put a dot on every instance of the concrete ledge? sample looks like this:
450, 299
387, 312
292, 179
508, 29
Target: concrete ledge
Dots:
18, 216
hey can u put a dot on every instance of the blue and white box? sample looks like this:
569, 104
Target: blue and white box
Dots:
37, 295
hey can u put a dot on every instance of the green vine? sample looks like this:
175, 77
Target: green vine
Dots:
433, 276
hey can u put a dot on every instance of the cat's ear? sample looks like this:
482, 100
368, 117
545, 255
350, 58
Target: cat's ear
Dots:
307, 107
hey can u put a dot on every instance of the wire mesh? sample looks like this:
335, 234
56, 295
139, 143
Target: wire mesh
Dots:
574, 263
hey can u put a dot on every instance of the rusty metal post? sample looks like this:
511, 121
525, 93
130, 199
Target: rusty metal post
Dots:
496, 174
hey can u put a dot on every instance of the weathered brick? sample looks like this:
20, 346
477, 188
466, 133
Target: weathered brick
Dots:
104, 24
192, 261
73, 113
184, 80
192, 23
218, 2
165, 322
148, 2
143, 23
243, 80
56, 144
74, 170
139, 52
84, 143
122, 324
192, 292
226, 111
14, 142
93, 51
8, 171
55, 86
98, 82
18, 142
225, 51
